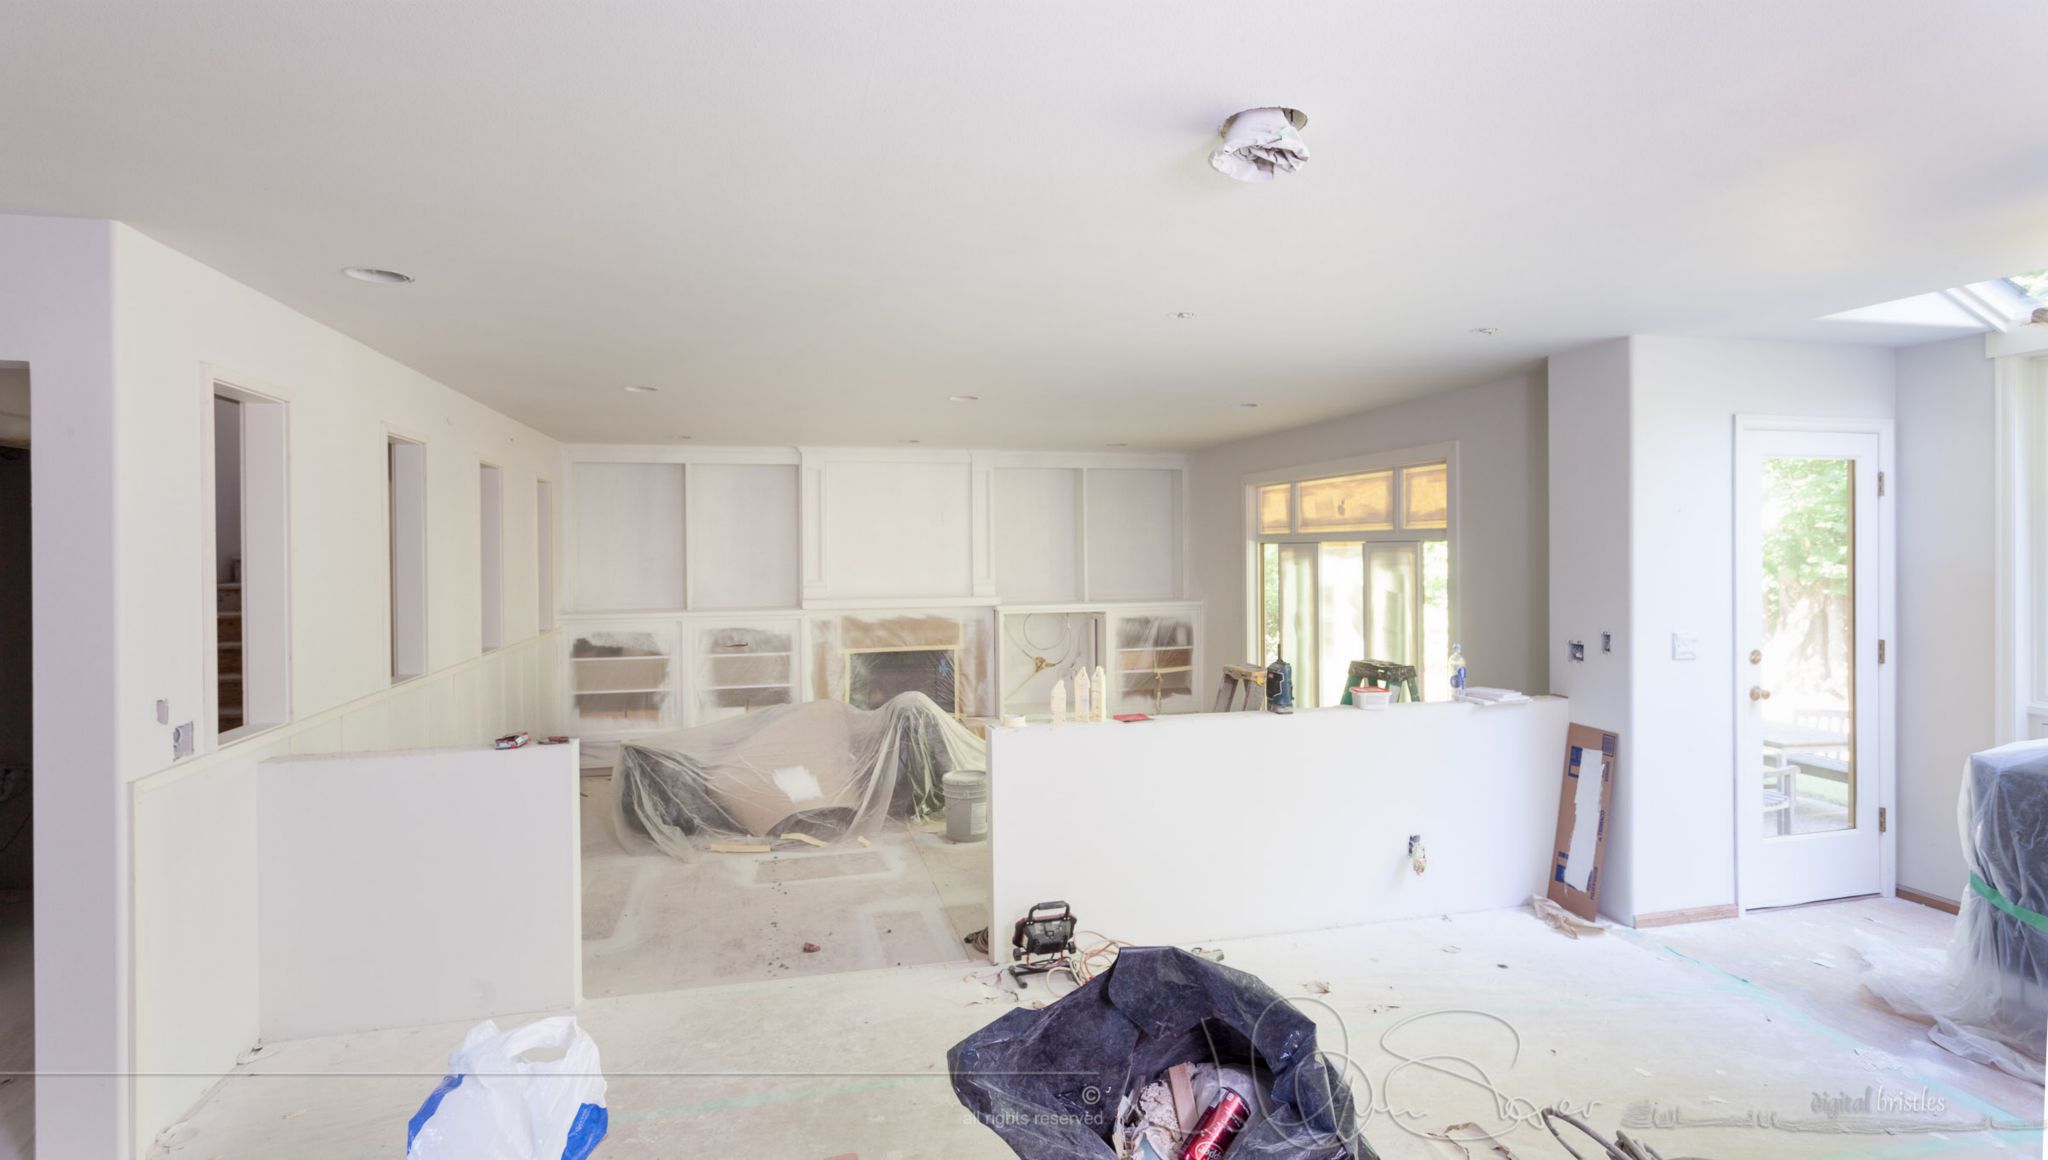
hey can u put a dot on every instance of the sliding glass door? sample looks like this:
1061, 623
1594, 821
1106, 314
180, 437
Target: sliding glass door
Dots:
1328, 603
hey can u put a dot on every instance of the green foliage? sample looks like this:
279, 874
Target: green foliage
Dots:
1808, 508
2034, 282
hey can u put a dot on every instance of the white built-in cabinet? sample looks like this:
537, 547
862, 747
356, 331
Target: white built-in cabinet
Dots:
699, 578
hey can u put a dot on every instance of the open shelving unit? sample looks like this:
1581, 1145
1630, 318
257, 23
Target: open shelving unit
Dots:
743, 666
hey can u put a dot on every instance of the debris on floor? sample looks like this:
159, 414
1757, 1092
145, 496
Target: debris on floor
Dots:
740, 848
1459, 1135
812, 948
1621, 1147
978, 941
497, 1101
1316, 987
1115, 1045
1562, 920
797, 837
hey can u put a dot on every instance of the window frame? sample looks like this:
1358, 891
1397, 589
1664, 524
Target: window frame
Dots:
1395, 461
2021, 570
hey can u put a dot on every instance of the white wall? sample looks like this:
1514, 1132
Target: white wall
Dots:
1501, 567
372, 911
1220, 825
1589, 569
782, 528
57, 315
195, 840
1686, 394
123, 337
1946, 516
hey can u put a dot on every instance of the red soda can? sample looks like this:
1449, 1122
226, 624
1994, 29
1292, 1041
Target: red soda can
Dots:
1218, 1127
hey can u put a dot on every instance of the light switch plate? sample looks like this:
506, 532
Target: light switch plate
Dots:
1685, 646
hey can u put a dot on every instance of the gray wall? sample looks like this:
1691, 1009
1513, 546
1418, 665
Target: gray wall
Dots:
1946, 494
1590, 514
1501, 533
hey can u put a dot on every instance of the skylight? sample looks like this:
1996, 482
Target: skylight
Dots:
2033, 284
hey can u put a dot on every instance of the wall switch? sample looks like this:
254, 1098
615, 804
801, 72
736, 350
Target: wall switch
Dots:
1685, 646
163, 711
181, 741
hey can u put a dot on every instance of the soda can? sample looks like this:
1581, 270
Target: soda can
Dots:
1218, 1127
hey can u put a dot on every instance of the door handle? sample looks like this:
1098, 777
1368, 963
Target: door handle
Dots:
1756, 694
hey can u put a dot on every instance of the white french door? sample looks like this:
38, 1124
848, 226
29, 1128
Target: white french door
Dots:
1810, 710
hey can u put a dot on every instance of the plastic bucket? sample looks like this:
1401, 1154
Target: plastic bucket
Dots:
1368, 697
966, 805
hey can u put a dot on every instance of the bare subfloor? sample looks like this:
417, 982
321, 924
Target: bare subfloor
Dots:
653, 923
1734, 1040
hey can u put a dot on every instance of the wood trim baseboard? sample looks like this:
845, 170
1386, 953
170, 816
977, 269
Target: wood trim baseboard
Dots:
1690, 914
1934, 900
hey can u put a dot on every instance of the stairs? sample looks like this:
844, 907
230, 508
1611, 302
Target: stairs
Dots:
228, 621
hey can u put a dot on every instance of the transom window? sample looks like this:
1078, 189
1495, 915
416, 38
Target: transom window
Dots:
1353, 563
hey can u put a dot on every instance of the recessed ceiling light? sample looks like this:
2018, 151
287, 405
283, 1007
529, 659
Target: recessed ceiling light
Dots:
640, 390
1183, 315
1488, 331
1116, 445
910, 441
373, 274
963, 398
680, 437
1249, 406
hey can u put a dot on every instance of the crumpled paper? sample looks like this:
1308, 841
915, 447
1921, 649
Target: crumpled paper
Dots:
1259, 145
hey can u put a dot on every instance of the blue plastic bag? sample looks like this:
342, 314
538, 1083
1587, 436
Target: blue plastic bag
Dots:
494, 1104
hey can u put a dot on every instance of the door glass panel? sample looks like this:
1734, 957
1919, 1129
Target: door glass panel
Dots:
1269, 602
1298, 618
1393, 600
1348, 503
1436, 620
1804, 673
1274, 504
1341, 618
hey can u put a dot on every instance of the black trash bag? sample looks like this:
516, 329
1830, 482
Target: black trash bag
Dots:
1049, 1081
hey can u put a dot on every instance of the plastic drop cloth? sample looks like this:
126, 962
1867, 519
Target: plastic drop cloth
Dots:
1989, 999
822, 768
1050, 1082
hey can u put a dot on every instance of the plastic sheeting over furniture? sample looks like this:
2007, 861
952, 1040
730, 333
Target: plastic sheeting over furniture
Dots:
1990, 1001
821, 768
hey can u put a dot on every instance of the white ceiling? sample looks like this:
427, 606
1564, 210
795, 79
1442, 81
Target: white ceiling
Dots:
814, 221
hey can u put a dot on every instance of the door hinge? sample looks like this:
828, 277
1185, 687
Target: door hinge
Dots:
1880, 485
1880, 819
1880, 652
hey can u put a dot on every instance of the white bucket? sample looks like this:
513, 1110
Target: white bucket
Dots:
966, 805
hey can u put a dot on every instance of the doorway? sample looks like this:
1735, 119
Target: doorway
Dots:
1812, 714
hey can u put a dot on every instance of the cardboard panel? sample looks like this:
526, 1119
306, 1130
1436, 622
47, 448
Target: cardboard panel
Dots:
1582, 820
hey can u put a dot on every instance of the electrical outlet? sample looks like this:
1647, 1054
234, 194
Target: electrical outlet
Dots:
1575, 651
1685, 646
181, 741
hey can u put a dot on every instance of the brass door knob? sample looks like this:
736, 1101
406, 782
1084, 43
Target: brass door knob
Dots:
1756, 694
1756, 656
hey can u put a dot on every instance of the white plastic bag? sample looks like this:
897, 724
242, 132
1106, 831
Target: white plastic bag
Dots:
496, 1105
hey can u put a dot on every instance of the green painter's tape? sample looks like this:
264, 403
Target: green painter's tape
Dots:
2037, 921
